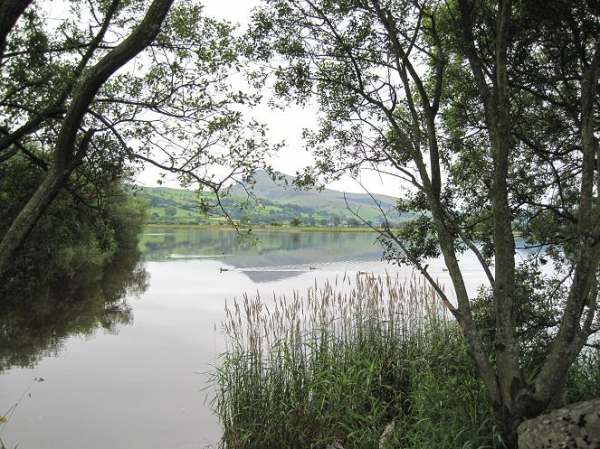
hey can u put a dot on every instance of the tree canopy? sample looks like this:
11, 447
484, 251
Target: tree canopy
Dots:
488, 111
107, 86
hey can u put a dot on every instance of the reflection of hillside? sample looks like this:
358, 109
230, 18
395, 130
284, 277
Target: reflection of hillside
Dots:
276, 255
160, 243
279, 272
259, 276
302, 258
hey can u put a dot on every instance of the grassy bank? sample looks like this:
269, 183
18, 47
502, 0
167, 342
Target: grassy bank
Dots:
370, 363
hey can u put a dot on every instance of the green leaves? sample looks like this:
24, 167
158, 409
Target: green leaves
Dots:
176, 99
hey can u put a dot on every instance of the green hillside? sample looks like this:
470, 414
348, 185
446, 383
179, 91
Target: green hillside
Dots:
274, 203
283, 192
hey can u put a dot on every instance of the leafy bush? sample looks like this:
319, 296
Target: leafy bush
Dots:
86, 225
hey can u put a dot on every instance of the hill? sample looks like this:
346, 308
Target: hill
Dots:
332, 201
278, 202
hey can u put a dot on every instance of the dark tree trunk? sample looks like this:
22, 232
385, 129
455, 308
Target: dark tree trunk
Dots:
29, 216
10, 11
70, 149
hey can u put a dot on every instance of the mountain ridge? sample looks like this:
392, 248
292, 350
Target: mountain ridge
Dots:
266, 188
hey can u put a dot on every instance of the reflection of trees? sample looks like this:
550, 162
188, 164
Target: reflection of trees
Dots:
209, 242
158, 246
35, 319
296, 239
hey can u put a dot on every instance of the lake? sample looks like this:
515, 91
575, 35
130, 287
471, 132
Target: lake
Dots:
134, 375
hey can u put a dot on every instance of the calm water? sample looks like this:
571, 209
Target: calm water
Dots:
139, 381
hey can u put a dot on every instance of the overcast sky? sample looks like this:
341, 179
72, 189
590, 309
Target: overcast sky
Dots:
287, 125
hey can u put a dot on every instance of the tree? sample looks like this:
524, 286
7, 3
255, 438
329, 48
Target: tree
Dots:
489, 112
115, 84
10, 11
353, 222
171, 211
336, 220
84, 230
295, 222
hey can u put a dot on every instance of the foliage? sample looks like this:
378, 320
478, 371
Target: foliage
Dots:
489, 112
188, 114
86, 225
110, 86
583, 382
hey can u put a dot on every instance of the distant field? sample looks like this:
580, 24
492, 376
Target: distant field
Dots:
274, 206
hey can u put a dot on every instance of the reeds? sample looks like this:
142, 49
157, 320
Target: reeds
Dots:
342, 364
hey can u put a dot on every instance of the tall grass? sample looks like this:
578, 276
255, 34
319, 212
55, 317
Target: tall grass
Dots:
345, 364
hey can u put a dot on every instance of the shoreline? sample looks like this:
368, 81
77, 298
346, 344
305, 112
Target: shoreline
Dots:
262, 228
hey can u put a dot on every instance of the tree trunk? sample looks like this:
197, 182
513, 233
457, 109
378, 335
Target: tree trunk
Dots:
10, 11
29, 216
68, 152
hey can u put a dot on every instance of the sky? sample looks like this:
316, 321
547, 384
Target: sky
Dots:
284, 125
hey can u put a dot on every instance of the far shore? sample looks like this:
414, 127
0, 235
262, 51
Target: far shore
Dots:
282, 228
259, 227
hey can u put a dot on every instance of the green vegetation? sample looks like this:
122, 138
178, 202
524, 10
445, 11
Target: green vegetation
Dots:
489, 112
377, 364
88, 225
271, 204
89, 90
185, 207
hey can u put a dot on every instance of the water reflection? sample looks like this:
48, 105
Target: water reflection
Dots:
275, 255
36, 319
144, 384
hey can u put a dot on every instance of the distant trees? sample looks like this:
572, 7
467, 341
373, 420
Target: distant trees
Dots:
353, 222
171, 211
111, 85
490, 112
